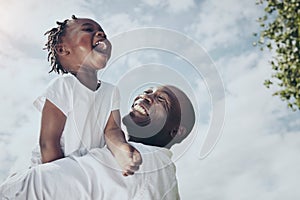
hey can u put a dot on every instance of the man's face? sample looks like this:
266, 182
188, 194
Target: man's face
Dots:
150, 113
87, 44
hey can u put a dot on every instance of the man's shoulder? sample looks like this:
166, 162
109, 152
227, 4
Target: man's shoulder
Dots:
143, 148
158, 173
154, 158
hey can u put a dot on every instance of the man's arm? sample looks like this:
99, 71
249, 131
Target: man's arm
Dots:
127, 156
53, 122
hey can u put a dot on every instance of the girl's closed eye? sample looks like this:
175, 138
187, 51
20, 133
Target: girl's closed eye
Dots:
88, 29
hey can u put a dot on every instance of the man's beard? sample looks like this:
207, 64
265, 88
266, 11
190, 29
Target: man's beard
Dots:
149, 135
139, 131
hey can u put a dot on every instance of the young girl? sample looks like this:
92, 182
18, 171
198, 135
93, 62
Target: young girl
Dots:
80, 112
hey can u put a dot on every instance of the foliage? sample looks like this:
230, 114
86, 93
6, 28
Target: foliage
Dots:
281, 32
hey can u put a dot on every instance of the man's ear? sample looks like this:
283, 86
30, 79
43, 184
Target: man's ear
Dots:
179, 132
61, 49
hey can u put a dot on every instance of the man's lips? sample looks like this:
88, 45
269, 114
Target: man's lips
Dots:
138, 119
140, 109
140, 114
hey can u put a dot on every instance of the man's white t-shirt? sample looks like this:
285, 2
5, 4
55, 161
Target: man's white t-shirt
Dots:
97, 176
87, 112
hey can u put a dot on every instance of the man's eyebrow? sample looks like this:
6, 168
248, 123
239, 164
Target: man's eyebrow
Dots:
168, 93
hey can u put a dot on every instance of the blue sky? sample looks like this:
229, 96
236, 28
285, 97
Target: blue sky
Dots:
257, 155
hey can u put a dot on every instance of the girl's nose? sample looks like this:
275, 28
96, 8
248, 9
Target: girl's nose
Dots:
100, 34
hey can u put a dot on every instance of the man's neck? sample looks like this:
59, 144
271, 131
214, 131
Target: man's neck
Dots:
147, 141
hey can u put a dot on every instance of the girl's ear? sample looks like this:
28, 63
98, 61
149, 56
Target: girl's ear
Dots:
61, 49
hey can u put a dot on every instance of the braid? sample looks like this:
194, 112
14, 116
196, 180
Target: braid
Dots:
54, 38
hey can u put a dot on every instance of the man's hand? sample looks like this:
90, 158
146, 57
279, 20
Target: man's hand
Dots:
128, 158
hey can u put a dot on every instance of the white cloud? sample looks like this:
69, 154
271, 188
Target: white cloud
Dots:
172, 6
153, 2
252, 160
30, 19
175, 6
119, 23
221, 24
24, 75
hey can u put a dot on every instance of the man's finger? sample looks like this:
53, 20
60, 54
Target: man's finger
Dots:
133, 168
137, 158
127, 173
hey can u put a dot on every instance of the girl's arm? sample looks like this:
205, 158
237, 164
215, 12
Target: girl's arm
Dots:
53, 123
126, 155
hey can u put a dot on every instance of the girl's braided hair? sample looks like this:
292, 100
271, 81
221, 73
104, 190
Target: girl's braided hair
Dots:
54, 38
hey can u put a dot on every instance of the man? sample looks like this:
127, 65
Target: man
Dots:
158, 119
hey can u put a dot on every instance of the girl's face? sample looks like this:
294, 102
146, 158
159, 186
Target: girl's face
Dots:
86, 45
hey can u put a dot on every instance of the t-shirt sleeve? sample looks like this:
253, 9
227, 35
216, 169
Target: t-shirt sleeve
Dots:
172, 193
57, 93
115, 99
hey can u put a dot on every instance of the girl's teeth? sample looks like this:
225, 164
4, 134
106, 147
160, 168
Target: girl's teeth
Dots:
103, 45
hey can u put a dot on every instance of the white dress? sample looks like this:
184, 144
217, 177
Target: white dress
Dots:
96, 176
87, 113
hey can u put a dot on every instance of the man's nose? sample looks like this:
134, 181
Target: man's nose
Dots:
148, 98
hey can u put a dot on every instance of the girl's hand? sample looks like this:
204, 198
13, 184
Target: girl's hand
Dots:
128, 158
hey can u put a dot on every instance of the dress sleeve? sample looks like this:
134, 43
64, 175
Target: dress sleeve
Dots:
115, 99
58, 93
172, 193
